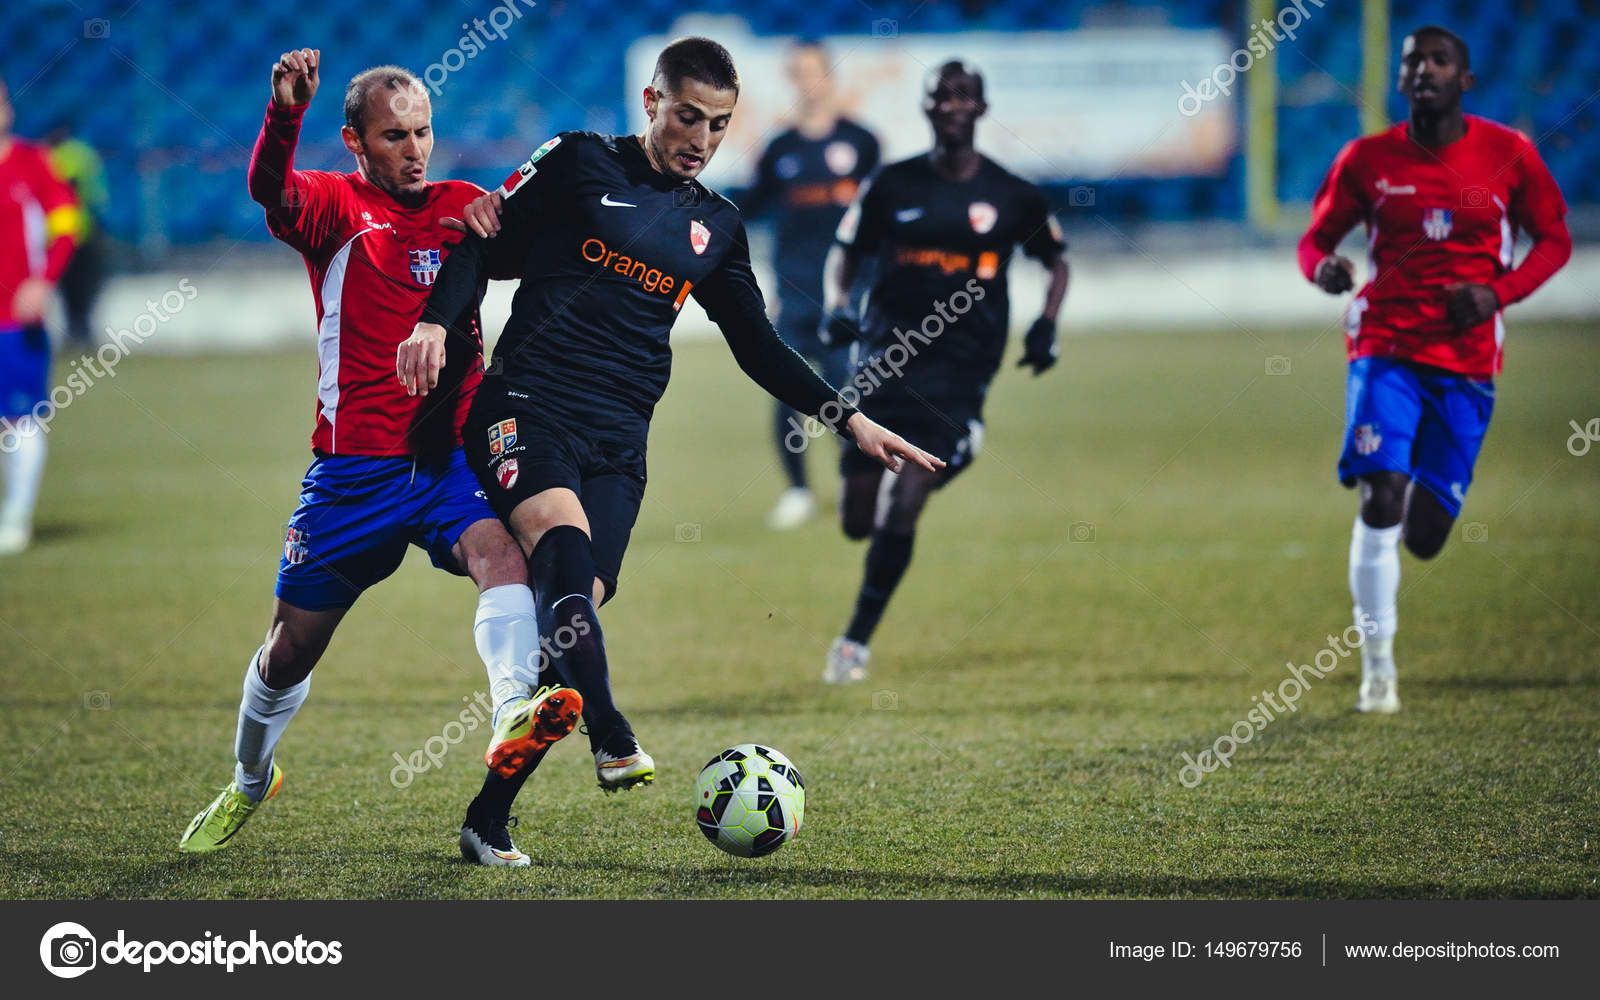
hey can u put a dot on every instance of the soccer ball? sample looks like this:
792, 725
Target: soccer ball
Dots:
749, 800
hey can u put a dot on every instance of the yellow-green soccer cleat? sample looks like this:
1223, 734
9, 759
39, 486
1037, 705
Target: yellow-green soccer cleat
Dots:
214, 828
529, 728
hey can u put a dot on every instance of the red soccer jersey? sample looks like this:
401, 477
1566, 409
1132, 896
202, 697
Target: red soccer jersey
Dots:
38, 216
372, 262
1436, 217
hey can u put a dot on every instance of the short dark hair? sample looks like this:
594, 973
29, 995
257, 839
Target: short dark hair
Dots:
1439, 31
953, 67
368, 80
695, 58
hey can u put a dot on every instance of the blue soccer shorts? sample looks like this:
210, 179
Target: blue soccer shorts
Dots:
24, 370
358, 514
1424, 422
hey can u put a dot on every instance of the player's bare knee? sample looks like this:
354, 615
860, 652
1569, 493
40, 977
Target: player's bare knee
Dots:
1383, 499
489, 555
1426, 544
288, 657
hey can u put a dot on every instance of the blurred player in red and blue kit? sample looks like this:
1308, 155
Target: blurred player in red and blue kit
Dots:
38, 217
388, 471
1443, 196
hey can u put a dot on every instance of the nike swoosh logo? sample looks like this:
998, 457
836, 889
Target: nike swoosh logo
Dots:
606, 200
908, 215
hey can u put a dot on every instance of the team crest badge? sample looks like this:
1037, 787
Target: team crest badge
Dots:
502, 436
1436, 223
983, 216
507, 473
841, 157
424, 265
699, 237
1367, 439
295, 546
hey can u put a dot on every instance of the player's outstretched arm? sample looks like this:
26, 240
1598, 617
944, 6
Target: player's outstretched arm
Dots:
888, 447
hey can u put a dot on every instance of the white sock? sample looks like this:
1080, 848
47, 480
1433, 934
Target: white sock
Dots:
22, 470
264, 714
506, 631
1375, 585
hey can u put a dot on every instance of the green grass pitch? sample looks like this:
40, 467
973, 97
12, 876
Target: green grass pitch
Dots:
1152, 531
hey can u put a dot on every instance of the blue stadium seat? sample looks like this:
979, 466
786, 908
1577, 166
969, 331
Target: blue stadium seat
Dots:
194, 94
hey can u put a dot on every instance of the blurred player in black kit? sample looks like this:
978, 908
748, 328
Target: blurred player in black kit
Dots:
807, 177
942, 227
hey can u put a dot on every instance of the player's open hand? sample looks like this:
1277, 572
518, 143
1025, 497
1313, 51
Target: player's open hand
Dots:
1335, 274
1470, 305
420, 358
482, 216
888, 447
295, 77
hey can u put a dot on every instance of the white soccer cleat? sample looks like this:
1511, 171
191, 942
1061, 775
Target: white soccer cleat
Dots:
485, 840
14, 539
1378, 694
847, 662
795, 506
621, 763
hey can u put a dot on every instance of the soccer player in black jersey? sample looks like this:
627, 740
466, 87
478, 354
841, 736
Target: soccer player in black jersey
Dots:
610, 234
942, 227
807, 176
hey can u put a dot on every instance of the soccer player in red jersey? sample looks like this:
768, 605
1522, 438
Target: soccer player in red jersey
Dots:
389, 471
1443, 196
38, 216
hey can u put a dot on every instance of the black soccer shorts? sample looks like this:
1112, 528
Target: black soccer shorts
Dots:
518, 451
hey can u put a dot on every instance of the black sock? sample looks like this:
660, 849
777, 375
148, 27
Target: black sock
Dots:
887, 559
561, 571
497, 794
783, 432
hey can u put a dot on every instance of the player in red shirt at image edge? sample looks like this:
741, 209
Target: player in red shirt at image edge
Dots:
1443, 196
388, 470
38, 217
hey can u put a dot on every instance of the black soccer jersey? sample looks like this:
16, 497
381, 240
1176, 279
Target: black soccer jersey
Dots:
808, 183
942, 249
608, 248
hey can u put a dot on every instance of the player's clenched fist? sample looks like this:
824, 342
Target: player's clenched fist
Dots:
888, 447
1335, 274
295, 77
420, 358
